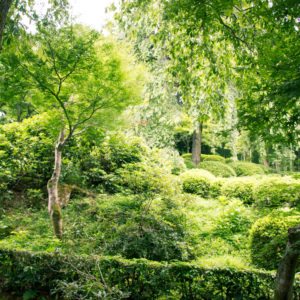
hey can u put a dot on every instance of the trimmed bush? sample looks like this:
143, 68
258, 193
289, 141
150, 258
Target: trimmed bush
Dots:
145, 178
241, 188
243, 168
212, 157
73, 277
268, 238
277, 191
217, 168
197, 182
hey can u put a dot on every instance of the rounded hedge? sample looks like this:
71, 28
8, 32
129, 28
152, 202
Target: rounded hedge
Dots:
268, 238
212, 157
243, 168
277, 191
197, 182
217, 168
241, 188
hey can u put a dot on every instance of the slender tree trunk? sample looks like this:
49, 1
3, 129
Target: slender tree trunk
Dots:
287, 268
4, 8
196, 147
54, 206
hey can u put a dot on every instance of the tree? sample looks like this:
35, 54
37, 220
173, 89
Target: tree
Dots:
287, 268
4, 9
82, 78
12, 12
193, 56
260, 36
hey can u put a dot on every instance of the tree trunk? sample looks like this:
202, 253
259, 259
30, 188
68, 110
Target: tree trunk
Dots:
54, 206
287, 268
4, 8
196, 148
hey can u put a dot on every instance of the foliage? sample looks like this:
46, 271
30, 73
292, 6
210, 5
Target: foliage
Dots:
147, 178
27, 152
218, 168
197, 181
241, 188
268, 238
243, 168
234, 219
212, 157
77, 277
277, 191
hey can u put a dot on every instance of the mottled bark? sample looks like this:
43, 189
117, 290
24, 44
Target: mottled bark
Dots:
54, 206
287, 268
64, 194
197, 141
4, 9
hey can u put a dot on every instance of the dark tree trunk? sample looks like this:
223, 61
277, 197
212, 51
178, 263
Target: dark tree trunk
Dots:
54, 204
196, 147
4, 9
287, 268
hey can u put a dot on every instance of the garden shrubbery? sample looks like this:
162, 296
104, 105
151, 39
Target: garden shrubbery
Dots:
217, 168
268, 238
212, 157
243, 168
277, 191
197, 181
241, 188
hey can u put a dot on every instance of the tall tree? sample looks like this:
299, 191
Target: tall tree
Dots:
82, 77
194, 56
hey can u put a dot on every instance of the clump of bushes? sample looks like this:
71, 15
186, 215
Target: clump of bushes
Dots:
241, 188
277, 191
268, 238
243, 168
217, 168
212, 157
197, 181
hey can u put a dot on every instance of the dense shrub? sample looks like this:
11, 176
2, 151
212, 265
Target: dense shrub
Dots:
268, 238
212, 157
277, 191
198, 182
243, 168
146, 177
71, 277
234, 219
217, 168
241, 188
26, 153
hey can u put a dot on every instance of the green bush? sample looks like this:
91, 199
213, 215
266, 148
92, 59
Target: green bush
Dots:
277, 191
73, 277
212, 157
35, 197
241, 188
234, 219
146, 177
243, 168
217, 168
197, 181
268, 238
